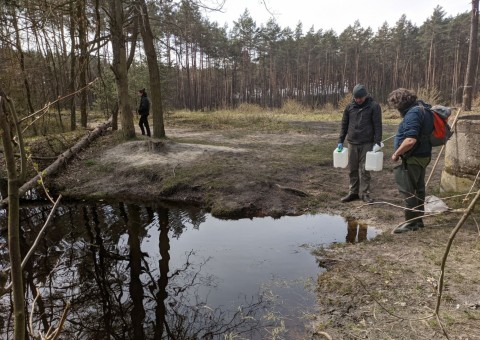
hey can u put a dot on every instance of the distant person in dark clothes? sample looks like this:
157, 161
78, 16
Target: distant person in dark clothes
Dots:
143, 111
362, 127
412, 145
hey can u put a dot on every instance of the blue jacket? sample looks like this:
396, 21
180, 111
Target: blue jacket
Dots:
418, 124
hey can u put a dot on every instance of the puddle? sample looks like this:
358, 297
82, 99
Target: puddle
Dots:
138, 272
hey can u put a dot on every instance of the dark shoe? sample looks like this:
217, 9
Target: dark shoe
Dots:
350, 197
367, 199
407, 226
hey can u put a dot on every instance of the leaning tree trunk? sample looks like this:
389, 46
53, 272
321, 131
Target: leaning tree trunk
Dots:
61, 160
472, 59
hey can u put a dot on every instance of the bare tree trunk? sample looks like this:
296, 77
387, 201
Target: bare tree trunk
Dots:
13, 229
119, 67
455, 75
73, 61
18, 45
83, 59
429, 69
472, 59
153, 71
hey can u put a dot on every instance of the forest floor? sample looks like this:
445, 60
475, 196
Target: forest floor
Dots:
268, 164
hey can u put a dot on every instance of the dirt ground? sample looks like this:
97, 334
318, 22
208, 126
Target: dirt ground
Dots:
380, 289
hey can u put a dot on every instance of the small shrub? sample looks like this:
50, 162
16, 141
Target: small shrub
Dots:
347, 98
329, 107
90, 162
249, 108
292, 106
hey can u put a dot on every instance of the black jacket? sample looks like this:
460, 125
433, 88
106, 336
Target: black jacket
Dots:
144, 107
362, 124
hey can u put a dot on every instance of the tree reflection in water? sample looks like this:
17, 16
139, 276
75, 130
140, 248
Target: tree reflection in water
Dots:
92, 256
356, 231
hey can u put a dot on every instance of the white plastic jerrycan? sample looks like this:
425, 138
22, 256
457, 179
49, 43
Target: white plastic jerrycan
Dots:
340, 158
374, 161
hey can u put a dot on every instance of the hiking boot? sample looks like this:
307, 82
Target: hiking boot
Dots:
367, 199
350, 197
407, 226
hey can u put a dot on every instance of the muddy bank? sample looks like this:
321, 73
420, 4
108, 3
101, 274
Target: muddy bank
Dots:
255, 174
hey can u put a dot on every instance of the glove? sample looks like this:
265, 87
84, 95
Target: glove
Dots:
340, 147
377, 147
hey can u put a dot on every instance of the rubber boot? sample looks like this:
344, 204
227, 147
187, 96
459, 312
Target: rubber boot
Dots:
419, 221
407, 225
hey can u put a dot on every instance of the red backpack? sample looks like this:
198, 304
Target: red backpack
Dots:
441, 130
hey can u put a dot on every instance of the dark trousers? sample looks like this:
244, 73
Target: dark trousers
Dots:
410, 179
143, 123
359, 177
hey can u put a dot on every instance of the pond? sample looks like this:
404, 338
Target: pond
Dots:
135, 272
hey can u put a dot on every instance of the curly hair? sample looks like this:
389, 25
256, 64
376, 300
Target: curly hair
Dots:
402, 99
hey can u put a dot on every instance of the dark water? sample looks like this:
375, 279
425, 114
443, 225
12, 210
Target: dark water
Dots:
134, 272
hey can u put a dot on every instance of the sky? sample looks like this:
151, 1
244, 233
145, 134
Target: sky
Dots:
334, 14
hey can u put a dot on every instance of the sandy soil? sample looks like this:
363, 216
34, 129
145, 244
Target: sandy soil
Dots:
381, 289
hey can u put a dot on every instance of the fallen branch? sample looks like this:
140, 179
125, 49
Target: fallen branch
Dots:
418, 217
61, 160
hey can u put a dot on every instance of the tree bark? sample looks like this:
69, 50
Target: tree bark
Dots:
73, 62
472, 59
13, 229
153, 71
119, 67
26, 83
82, 59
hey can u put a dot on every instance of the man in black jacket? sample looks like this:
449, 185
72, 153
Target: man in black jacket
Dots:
362, 127
143, 111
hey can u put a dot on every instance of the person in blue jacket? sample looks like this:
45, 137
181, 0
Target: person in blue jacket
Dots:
362, 127
413, 147
144, 111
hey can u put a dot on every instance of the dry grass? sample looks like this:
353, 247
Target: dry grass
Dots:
248, 116
391, 284
431, 96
